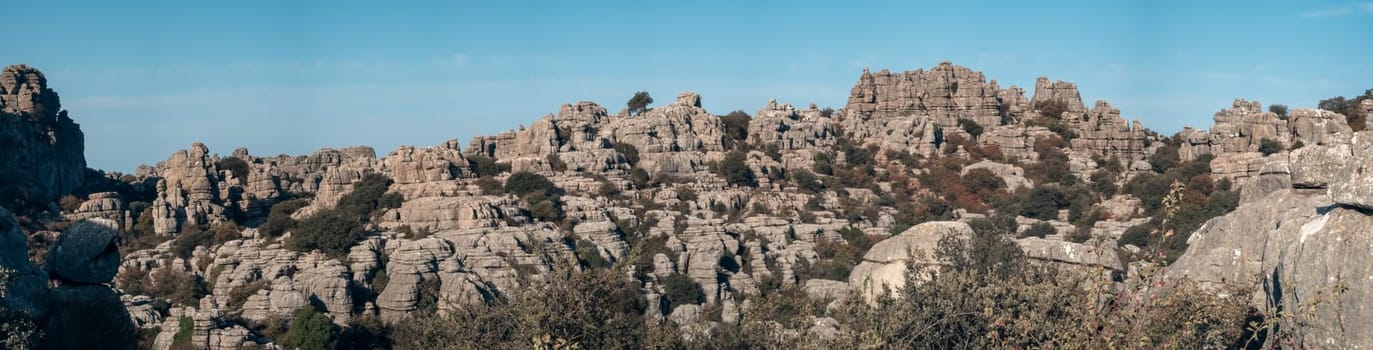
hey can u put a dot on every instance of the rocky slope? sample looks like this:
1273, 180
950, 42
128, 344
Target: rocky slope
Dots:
793, 201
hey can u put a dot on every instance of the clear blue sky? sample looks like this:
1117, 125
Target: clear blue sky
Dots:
288, 77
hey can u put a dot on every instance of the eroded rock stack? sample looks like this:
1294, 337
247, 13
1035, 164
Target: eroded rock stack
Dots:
43, 154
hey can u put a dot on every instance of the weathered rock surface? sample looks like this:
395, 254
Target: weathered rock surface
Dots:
43, 151
1304, 246
885, 266
1352, 184
86, 253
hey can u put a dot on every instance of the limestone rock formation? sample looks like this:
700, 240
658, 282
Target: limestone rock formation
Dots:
43, 155
943, 94
885, 265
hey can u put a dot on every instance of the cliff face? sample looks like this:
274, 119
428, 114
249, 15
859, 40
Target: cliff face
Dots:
41, 149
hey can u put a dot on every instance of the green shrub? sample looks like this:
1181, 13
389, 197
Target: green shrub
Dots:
367, 196
490, 186
238, 167
970, 127
279, 217
639, 103
591, 256
1043, 203
682, 290
185, 329
736, 129
1040, 229
486, 166
735, 171
524, 183
1268, 146
1280, 110
330, 230
807, 181
629, 152
309, 330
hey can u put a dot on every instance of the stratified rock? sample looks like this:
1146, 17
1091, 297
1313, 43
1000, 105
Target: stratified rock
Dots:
1316, 166
1242, 127
1315, 126
43, 151
1291, 246
943, 94
1071, 254
1047, 90
885, 265
409, 165
86, 253
1352, 183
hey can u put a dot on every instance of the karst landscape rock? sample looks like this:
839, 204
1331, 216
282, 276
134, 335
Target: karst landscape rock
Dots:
784, 228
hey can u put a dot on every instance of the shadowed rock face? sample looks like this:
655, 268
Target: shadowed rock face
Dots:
86, 253
41, 149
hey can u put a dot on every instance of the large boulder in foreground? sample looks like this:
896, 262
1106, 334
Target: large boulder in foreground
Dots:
86, 253
885, 266
1297, 249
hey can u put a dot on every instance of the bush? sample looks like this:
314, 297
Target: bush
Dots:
309, 330
279, 217
1280, 110
735, 171
682, 290
591, 257
630, 152
490, 186
330, 231
736, 129
486, 166
238, 167
639, 103
1040, 229
1043, 203
555, 162
595, 309
189, 238
185, 329
366, 196
807, 181
1268, 146
970, 127
525, 183
1052, 108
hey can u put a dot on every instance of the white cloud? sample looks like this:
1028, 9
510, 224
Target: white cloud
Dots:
1361, 8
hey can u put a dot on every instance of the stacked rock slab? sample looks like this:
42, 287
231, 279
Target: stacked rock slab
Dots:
83, 260
43, 151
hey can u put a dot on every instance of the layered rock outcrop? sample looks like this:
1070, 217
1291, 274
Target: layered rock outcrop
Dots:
41, 149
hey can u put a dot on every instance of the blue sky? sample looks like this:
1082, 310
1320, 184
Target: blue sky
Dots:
288, 77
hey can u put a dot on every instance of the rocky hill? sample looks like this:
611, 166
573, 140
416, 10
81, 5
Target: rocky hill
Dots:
711, 220
41, 148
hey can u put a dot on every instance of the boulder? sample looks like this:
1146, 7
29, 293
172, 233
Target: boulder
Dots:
885, 266
1352, 183
87, 317
1292, 246
88, 252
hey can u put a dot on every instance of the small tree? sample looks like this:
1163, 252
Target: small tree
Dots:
735, 171
310, 329
329, 230
1040, 229
1280, 110
736, 129
639, 103
970, 127
682, 290
1268, 146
